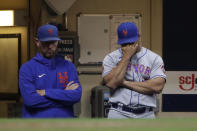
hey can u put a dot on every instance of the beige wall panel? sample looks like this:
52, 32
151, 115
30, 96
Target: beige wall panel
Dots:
9, 65
87, 82
112, 7
156, 26
23, 32
156, 33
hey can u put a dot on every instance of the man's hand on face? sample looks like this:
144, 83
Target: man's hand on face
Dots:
129, 50
72, 86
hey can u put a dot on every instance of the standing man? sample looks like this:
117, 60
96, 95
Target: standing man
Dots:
48, 84
134, 74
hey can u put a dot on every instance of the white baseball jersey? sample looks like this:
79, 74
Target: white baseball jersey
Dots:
144, 65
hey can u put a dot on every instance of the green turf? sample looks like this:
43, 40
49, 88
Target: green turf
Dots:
173, 124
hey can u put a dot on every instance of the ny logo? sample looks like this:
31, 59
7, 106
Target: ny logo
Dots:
50, 31
63, 79
125, 32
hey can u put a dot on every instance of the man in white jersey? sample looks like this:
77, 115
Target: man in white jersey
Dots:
134, 74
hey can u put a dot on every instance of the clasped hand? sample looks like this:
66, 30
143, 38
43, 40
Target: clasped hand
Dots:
72, 86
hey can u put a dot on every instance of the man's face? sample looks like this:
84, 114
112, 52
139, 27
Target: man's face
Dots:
48, 49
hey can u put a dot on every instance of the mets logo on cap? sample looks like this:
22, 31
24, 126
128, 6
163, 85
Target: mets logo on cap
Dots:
50, 31
125, 32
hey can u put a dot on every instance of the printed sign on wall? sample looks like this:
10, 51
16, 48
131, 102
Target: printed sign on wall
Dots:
181, 82
66, 48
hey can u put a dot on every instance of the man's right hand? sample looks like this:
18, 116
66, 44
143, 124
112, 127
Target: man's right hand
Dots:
129, 50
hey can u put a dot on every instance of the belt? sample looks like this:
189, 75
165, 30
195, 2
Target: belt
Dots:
135, 110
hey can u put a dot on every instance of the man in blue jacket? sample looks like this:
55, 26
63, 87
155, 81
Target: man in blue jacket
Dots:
48, 84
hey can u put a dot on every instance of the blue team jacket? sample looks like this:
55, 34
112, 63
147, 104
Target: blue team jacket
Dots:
52, 75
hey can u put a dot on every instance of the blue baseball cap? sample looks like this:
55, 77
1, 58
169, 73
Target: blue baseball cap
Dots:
127, 33
48, 33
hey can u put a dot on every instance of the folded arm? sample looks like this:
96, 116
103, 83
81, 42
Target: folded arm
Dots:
29, 94
70, 95
148, 87
116, 76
